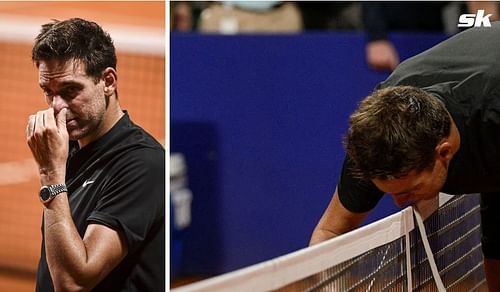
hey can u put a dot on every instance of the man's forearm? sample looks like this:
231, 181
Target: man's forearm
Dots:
65, 250
336, 220
320, 235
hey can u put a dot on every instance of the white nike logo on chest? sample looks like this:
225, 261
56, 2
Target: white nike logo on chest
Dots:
87, 182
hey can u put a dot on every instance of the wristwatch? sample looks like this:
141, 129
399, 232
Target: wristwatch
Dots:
49, 192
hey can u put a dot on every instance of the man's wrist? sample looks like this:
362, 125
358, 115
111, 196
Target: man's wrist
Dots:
49, 192
51, 179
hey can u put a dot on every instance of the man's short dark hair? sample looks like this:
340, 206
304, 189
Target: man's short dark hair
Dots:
76, 39
395, 131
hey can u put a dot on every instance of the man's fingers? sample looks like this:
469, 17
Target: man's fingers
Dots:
46, 120
39, 121
61, 120
31, 125
49, 119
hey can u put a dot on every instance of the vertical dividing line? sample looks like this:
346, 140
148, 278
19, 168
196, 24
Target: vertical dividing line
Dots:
428, 251
407, 218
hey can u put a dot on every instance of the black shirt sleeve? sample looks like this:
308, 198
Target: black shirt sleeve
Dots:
133, 199
357, 195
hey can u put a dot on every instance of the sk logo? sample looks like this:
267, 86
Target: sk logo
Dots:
476, 20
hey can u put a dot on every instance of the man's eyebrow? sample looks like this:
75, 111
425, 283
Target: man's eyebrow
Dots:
62, 83
70, 82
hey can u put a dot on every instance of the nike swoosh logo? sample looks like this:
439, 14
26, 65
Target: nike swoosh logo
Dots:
87, 182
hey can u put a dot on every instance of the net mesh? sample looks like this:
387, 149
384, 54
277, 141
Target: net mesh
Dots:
453, 232
380, 269
454, 235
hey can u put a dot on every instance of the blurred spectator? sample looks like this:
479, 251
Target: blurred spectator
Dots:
327, 15
184, 15
381, 17
489, 7
230, 17
376, 18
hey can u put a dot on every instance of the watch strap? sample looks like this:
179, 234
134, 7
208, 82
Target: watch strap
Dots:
53, 191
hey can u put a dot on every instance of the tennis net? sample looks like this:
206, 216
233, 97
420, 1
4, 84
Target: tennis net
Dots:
378, 257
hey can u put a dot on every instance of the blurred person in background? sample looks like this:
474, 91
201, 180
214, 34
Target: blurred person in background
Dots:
380, 18
184, 15
231, 17
181, 16
102, 176
331, 15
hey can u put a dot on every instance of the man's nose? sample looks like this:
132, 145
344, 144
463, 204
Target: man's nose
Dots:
58, 103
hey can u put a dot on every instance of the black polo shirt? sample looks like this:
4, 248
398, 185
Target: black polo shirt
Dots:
119, 181
464, 72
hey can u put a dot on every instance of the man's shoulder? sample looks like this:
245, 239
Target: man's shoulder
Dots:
136, 133
134, 147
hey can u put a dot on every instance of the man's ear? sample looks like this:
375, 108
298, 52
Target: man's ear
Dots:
110, 81
444, 151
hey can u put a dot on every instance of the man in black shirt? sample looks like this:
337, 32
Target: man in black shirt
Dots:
433, 125
102, 177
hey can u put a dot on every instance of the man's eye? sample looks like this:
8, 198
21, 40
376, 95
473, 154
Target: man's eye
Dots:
69, 91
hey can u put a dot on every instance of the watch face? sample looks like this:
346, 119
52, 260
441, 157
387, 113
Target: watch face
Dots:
44, 194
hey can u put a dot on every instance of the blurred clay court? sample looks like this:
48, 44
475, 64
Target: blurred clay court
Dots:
138, 31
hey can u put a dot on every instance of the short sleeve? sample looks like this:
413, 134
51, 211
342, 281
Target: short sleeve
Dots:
357, 195
133, 198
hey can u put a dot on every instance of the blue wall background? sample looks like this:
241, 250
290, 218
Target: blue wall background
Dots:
260, 119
